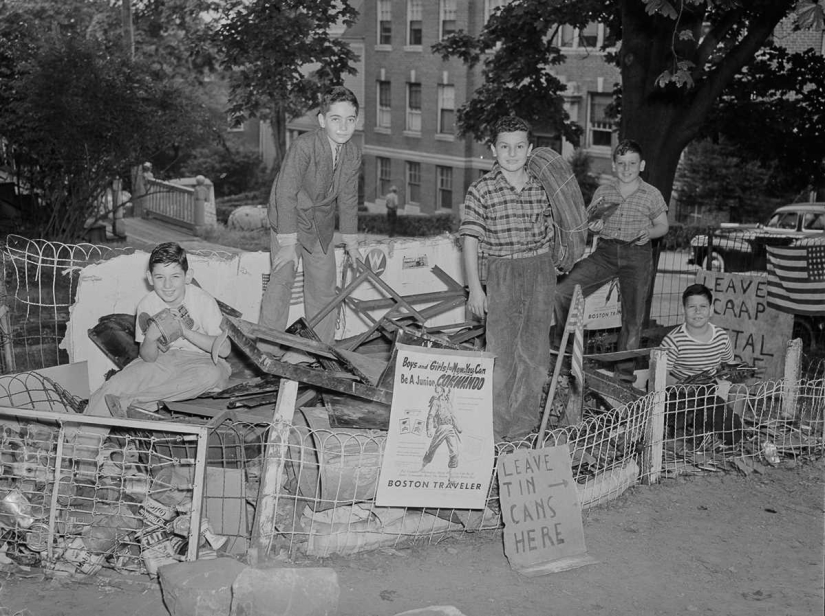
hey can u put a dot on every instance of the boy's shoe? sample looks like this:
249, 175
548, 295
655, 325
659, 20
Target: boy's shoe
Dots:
453, 462
114, 406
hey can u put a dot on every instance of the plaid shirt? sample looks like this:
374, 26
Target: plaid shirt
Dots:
504, 220
634, 213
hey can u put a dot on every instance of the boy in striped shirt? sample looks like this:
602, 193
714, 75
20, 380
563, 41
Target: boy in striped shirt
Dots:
697, 344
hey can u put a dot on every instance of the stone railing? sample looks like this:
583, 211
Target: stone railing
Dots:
186, 202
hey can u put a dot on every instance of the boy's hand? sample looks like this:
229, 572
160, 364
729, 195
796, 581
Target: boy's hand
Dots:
477, 303
285, 254
351, 246
596, 226
644, 238
354, 252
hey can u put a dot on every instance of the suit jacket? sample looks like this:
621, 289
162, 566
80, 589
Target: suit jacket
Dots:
306, 191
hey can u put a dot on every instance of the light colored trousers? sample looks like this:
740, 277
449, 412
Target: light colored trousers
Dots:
319, 290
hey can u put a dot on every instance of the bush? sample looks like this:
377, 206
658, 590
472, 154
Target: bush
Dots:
413, 225
679, 236
225, 205
232, 171
581, 162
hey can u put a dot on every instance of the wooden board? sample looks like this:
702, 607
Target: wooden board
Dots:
348, 412
543, 530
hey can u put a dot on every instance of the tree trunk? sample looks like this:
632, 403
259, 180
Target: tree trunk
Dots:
278, 123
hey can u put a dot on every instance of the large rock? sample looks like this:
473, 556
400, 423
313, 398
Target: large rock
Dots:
248, 218
199, 588
286, 592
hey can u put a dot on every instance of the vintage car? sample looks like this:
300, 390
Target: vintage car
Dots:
742, 248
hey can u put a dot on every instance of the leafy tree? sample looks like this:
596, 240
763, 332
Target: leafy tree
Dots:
676, 57
232, 170
75, 117
716, 179
580, 163
782, 94
264, 45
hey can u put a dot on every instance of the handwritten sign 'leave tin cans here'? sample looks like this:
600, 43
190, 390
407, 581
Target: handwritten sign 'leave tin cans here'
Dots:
543, 530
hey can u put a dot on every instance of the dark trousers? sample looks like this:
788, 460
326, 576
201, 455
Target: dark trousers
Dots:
519, 313
392, 218
633, 265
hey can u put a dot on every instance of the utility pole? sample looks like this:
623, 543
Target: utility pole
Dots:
128, 30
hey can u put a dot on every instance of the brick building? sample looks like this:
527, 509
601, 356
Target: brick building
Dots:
411, 96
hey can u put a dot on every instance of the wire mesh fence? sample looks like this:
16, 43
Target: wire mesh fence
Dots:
133, 500
127, 503
80, 494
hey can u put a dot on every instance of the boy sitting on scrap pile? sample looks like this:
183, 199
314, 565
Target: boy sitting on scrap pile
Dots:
698, 349
181, 347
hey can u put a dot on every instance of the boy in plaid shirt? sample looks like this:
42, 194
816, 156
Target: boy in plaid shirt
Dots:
508, 227
625, 214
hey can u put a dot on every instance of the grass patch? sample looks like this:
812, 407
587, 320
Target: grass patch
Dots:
251, 241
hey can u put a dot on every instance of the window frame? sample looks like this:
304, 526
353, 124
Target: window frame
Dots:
413, 114
415, 6
412, 171
443, 88
575, 36
446, 8
383, 9
593, 127
444, 176
383, 113
383, 172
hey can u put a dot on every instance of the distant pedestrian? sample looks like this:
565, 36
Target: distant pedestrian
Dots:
392, 209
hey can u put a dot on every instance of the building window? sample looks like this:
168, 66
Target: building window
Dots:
385, 22
600, 127
447, 18
384, 172
548, 141
590, 37
446, 109
413, 182
414, 107
445, 187
414, 9
384, 105
490, 6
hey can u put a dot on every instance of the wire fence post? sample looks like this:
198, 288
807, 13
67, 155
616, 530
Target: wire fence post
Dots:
790, 381
656, 424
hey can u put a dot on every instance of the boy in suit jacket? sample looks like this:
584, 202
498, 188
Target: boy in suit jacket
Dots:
320, 170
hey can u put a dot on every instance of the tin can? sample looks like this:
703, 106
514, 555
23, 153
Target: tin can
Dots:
15, 510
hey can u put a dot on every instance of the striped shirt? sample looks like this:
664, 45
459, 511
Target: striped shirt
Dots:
634, 213
687, 356
504, 220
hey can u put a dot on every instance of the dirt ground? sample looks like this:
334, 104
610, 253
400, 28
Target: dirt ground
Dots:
711, 544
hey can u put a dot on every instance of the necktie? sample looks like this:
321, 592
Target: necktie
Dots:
336, 156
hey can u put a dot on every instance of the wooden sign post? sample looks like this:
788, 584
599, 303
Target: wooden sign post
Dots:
543, 530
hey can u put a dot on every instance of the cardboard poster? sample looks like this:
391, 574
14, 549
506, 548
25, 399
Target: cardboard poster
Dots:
540, 508
759, 334
603, 307
440, 448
